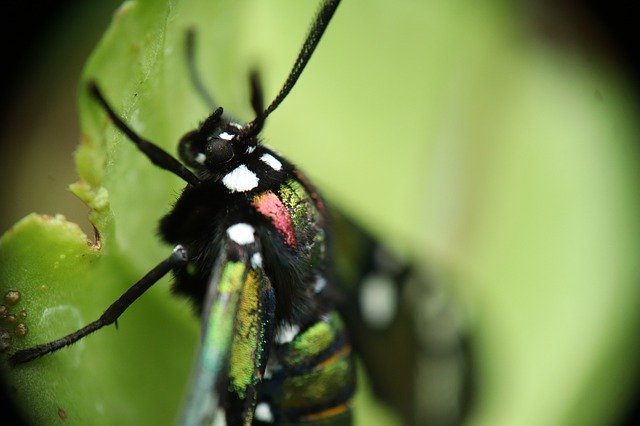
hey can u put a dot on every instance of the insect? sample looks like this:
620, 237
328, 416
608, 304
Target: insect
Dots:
255, 247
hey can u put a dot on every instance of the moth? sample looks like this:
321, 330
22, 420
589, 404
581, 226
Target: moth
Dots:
282, 282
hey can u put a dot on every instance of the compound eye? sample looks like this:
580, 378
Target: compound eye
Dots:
219, 151
191, 149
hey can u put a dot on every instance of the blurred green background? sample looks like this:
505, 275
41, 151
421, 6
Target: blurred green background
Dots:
496, 143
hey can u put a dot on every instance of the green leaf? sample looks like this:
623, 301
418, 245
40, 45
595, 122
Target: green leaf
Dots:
65, 283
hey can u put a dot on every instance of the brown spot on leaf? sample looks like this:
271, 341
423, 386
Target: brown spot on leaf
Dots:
5, 340
12, 297
21, 330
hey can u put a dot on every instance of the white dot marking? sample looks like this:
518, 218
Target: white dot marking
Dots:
256, 260
250, 149
267, 372
378, 300
272, 161
287, 333
241, 233
226, 136
320, 284
220, 419
263, 413
201, 158
240, 179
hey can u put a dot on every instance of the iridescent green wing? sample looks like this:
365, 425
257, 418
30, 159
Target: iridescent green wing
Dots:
237, 328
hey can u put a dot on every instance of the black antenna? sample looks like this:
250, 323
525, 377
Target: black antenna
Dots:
313, 38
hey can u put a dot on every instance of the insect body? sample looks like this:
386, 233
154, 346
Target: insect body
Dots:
252, 251
270, 252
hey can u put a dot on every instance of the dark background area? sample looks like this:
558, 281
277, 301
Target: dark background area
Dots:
27, 28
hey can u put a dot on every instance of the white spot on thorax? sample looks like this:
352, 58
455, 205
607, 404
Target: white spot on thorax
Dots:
236, 125
226, 136
272, 161
240, 179
250, 149
287, 333
263, 413
241, 233
378, 301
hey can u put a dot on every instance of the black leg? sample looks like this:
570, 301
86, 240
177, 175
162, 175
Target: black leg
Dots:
196, 79
157, 155
178, 257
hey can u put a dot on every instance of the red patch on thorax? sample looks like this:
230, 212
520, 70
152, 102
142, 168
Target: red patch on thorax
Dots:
270, 206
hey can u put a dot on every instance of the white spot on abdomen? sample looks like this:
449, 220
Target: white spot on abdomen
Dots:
287, 333
240, 179
263, 413
241, 233
272, 161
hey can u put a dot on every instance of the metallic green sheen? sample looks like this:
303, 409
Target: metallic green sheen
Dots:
319, 386
248, 338
301, 207
221, 320
218, 331
314, 340
327, 379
